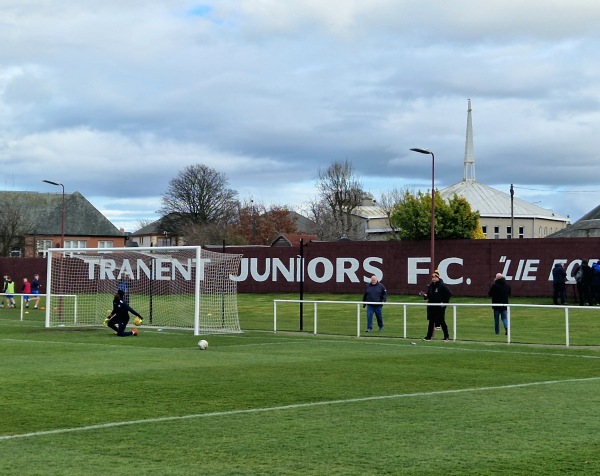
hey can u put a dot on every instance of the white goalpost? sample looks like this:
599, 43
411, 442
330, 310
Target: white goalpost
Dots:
177, 287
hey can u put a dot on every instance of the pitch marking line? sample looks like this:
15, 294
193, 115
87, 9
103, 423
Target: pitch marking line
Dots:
288, 407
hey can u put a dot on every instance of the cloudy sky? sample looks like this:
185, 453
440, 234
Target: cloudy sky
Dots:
114, 98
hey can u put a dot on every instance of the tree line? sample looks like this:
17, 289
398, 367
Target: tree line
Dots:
201, 208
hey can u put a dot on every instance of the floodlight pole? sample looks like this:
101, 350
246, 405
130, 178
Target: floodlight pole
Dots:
62, 224
432, 239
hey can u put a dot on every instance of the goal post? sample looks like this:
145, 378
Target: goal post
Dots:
178, 287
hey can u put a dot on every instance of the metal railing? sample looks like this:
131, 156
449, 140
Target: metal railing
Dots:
406, 305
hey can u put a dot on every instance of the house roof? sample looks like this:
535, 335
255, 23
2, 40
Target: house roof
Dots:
490, 202
588, 225
150, 229
293, 240
44, 213
369, 212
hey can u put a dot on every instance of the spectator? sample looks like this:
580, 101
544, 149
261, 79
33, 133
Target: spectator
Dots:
500, 292
437, 292
375, 292
583, 277
595, 284
559, 284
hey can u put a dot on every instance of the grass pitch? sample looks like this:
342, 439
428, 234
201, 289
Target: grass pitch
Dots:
87, 402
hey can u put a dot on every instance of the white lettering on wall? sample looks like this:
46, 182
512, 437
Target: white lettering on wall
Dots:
372, 270
445, 274
326, 274
346, 267
414, 270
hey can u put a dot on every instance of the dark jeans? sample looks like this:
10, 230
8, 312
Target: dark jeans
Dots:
584, 294
378, 311
560, 292
436, 320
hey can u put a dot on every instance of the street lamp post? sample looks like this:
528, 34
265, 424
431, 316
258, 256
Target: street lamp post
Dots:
432, 251
62, 224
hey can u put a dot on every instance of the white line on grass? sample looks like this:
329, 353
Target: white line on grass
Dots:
288, 407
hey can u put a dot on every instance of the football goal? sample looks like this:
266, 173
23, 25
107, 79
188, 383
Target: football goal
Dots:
171, 287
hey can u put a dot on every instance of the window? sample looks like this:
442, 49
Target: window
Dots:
496, 232
42, 247
75, 244
484, 230
521, 232
509, 232
105, 244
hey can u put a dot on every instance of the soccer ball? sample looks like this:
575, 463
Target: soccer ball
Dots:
202, 344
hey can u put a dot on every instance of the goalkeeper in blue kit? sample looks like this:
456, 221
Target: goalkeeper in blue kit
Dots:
119, 316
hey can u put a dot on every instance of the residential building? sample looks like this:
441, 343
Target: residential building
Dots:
39, 217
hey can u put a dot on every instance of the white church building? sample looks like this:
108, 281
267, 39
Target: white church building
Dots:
502, 215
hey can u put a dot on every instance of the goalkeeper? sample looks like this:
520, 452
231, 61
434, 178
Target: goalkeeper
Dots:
119, 316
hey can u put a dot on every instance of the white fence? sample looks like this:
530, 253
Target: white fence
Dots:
451, 306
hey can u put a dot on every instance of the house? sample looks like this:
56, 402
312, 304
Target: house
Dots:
154, 235
587, 226
373, 222
46, 218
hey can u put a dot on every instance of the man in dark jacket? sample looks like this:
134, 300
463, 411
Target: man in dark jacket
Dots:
499, 292
375, 292
559, 284
437, 292
583, 276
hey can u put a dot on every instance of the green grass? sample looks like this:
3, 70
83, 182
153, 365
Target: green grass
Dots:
86, 402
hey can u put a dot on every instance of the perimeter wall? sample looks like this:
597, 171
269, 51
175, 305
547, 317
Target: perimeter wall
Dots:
467, 266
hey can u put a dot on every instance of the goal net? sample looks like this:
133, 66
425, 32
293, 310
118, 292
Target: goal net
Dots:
171, 287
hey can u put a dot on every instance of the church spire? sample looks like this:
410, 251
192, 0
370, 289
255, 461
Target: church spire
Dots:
469, 168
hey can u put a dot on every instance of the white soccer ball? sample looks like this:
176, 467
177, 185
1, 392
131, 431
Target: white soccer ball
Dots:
202, 344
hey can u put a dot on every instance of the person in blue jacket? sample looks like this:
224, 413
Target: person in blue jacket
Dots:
119, 316
374, 293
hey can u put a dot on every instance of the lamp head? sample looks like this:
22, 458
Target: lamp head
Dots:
422, 151
52, 183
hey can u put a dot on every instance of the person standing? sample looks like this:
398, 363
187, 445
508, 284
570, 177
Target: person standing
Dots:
500, 292
559, 284
595, 284
375, 292
437, 292
119, 316
26, 290
9, 289
4, 298
35, 290
583, 277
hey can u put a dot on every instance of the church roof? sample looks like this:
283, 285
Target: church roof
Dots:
490, 202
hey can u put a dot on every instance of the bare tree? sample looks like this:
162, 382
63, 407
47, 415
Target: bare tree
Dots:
342, 192
143, 222
14, 225
198, 196
389, 201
